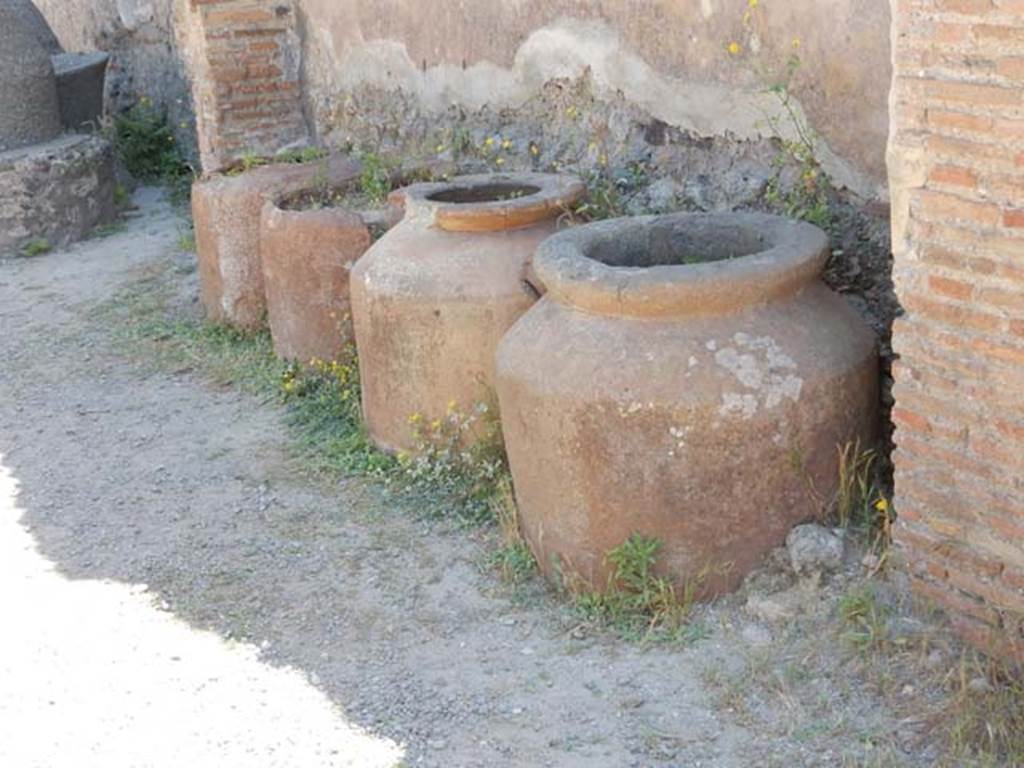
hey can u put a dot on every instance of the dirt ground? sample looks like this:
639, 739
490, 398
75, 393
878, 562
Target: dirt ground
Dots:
343, 630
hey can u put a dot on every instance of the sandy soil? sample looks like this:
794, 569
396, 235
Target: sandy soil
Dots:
175, 592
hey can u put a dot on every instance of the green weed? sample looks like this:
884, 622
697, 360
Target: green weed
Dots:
375, 179
513, 559
36, 247
859, 504
637, 602
459, 462
809, 196
300, 156
107, 230
865, 619
146, 145
187, 241
325, 415
250, 159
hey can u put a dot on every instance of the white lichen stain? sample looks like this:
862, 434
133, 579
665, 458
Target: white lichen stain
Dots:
677, 438
759, 364
633, 408
745, 405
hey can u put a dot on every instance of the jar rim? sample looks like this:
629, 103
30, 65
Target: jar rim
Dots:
493, 202
781, 257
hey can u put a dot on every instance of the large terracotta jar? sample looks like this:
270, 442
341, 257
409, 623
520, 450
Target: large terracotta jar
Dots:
432, 299
309, 241
688, 378
226, 212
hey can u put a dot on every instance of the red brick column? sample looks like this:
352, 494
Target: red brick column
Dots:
244, 61
956, 162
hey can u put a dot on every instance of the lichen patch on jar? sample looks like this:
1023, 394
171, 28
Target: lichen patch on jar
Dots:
760, 365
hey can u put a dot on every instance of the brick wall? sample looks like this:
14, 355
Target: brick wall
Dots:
956, 162
243, 57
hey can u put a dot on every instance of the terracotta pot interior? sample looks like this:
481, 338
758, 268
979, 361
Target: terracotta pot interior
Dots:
328, 197
486, 193
662, 244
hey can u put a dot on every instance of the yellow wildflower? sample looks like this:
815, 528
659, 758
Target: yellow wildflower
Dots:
882, 505
735, 48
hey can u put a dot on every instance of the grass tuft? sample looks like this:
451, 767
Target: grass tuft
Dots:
639, 604
984, 717
36, 247
513, 559
865, 618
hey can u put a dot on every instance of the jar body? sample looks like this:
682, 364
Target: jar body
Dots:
226, 212
306, 258
714, 433
429, 308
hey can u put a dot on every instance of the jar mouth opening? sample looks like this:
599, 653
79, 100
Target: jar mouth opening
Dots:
494, 202
680, 264
674, 242
498, 192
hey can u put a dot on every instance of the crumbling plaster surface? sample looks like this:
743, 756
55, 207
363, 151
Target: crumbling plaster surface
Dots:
669, 57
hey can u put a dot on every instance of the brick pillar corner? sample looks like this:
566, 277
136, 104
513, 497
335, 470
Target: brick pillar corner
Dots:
956, 161
243, 58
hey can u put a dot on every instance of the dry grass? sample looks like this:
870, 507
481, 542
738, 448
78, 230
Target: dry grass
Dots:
983, 718
513, 558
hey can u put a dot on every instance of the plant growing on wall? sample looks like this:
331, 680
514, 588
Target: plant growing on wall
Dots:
807, 197
146, 144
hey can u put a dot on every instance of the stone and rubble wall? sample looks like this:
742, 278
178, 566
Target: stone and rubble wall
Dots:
384, 69
55, 193
670, 60
145, 58
957, 171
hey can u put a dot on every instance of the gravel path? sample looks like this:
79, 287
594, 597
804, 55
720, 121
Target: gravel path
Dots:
175, 593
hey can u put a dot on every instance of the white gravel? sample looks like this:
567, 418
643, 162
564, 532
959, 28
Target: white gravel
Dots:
95, 675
